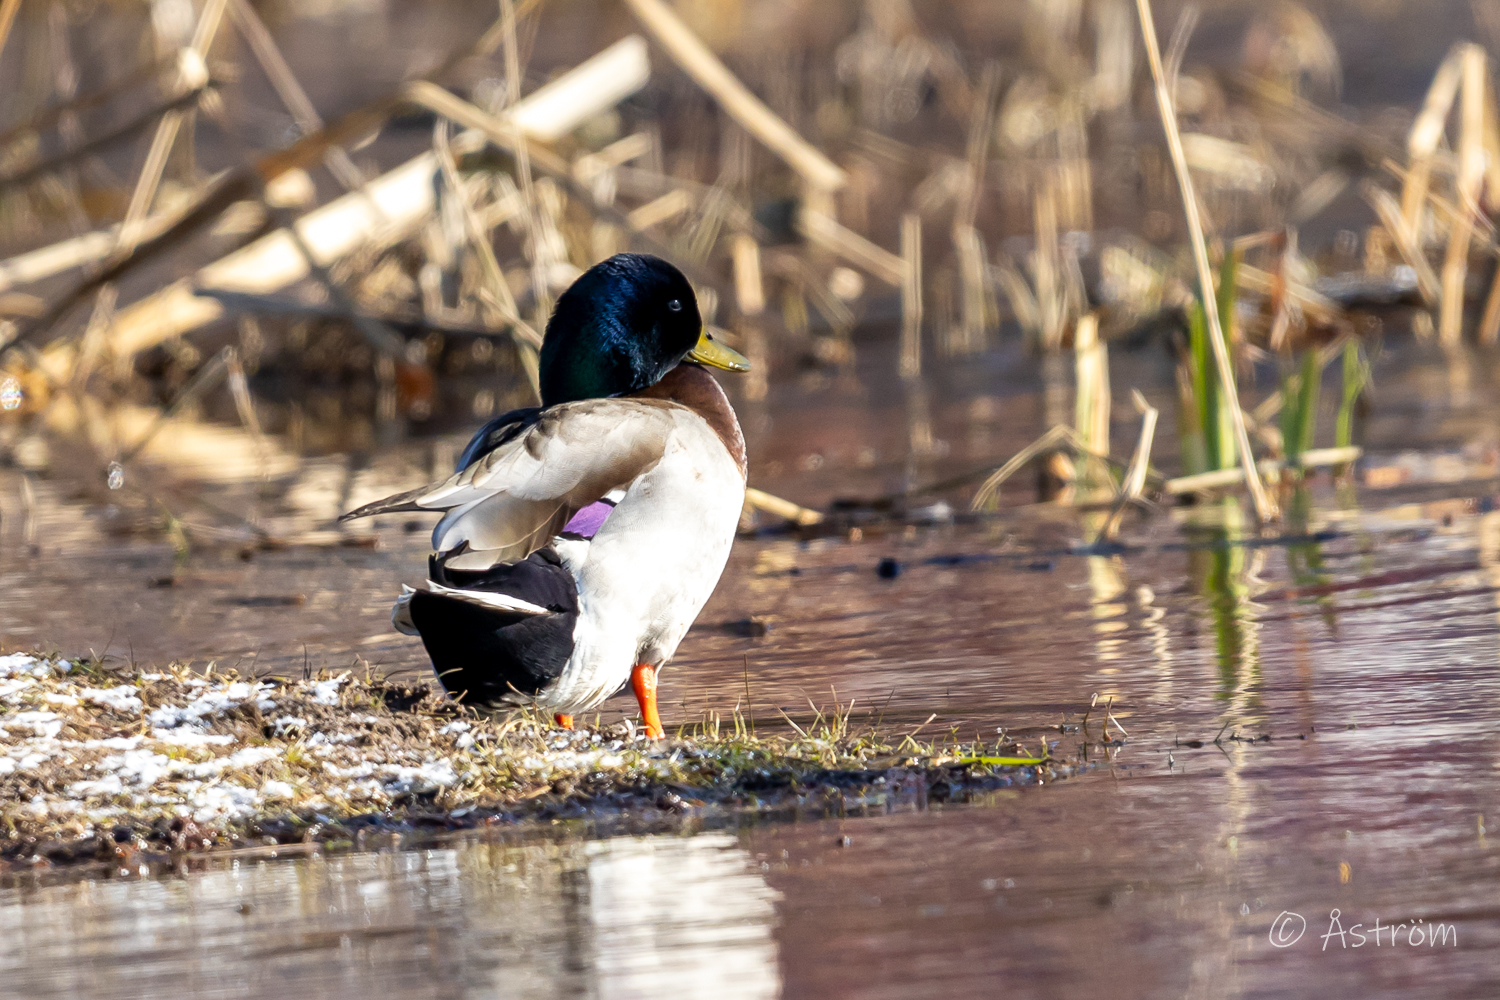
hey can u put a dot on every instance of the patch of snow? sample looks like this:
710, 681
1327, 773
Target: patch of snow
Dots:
187, 737
10, 691
142, 767
277, 790
120, 698
248, 757
66, 700
327, 692
286, 724
105, 787
23, 665
455, 727
47, 724
115, 743
215, 801
206, 705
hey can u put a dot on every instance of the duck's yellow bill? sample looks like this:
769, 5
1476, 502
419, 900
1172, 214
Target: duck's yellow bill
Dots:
709, 351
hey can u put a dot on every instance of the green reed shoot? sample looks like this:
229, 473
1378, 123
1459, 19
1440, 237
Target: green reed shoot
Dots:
1299, 408
1206, 426
1356, 379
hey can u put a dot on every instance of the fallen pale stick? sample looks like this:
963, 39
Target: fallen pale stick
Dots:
761, 500
824, 232
1312, 459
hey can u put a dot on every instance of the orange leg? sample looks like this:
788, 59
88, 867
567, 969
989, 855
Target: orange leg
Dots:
565, 721
643, 679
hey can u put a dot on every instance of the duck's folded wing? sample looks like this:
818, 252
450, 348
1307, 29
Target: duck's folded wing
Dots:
512, 501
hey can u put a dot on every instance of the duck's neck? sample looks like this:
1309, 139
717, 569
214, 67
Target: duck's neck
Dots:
691, 386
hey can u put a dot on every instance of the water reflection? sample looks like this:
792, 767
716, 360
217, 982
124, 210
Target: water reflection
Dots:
1223, 571
630, 917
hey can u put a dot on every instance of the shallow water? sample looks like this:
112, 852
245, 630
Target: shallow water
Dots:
1358, 762
1347, 664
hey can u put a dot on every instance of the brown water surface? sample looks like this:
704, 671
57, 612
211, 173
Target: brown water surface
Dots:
1347, 664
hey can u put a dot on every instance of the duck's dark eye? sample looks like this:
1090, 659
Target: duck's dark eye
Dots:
675, 305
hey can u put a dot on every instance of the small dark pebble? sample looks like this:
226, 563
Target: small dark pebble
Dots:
412, 527
749, 628
888, 569
164, 581
275, 601
844, 841
243, 909
1041, 565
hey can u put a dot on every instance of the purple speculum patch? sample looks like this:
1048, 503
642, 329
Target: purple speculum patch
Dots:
587, 522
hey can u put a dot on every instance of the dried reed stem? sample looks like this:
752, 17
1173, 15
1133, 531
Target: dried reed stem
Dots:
8, 10
1310, 459
823, 231
1389, 212
911, 296
749, 289
1426, 133
819, 172
1265, 507
1471, 169
990, 489
1092, 401
761, 500
528, 342
268, 54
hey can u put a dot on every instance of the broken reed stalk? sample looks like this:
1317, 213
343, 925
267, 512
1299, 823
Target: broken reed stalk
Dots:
1133, 487
774, 505
1092, 401
1315, 458
1489, 324
827, 234
1388, 210
1265, 507
989, 490
911, 295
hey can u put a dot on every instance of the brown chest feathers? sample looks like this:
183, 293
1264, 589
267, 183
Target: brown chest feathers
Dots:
689, 385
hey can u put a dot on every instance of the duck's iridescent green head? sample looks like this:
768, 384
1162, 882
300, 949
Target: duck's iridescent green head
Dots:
620, 327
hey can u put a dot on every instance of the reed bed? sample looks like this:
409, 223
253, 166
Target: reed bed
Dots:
310, 256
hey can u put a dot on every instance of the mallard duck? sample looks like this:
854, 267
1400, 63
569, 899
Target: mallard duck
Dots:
581, 538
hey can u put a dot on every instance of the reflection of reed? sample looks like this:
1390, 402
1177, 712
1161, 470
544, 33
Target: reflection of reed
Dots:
1222, 570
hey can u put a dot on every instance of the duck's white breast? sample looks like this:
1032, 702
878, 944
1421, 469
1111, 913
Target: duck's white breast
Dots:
653, 565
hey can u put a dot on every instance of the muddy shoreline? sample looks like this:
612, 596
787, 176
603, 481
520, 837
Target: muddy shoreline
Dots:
122, 771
